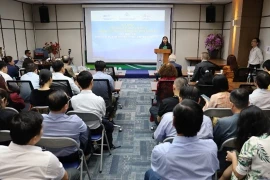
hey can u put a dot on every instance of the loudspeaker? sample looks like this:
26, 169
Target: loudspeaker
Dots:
44, 14
210, 14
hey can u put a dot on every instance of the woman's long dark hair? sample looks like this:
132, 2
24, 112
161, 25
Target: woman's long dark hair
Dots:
231, 61
162, 43
252, 122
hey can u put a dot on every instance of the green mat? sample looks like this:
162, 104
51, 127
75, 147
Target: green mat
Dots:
128, 66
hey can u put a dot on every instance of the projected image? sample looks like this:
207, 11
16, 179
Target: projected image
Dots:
125, 35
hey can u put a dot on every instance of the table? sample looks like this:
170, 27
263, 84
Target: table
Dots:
184, 73
232, 85
218, 62
119, 73
117, 85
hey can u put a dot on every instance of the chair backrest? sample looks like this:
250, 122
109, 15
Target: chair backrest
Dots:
25, 87
207, 90
218, 112
5, 135
241, 75
164, 89
62, 85
90, 119
229, 143
41, 109
110, 70
57, 142
168, 139
11, 109
21, 71
101, 87
266, 112
249, 87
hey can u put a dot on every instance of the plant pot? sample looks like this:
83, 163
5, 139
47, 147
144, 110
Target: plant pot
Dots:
213, 54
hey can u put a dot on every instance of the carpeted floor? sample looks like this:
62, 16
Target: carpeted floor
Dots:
131, 160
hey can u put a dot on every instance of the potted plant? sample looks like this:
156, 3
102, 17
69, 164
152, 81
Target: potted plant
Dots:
213, 44
52, 48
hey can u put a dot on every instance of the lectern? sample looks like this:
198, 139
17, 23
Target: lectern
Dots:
162, 56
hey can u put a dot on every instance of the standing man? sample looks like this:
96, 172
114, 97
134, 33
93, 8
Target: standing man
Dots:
27, 54
255, 55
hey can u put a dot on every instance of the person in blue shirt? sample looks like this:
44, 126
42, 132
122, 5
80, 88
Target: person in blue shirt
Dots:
187, 157
13, 70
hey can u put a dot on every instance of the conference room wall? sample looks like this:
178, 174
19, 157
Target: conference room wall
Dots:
16, 28
226, 29
265, 29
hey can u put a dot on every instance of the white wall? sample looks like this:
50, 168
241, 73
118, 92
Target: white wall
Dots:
226, 29
16, 28
265, 29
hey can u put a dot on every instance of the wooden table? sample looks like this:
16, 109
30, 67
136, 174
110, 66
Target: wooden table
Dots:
218, 62
117, 85
119, 73
232, 85
184, 73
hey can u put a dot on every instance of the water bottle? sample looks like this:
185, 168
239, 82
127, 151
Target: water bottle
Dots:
248, 78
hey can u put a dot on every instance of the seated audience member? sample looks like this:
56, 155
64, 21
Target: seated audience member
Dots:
27, 55
26, 62
87, 101
253, 139
23, 160
13, 70
166, 129
100, 67
167, 72
261, 96
222, 98
31, 75
167, 104
57, 123
172, 59
266, 67
226, 127
187, 157
230, 68
201, 69
4, 71
59, 70
68, 68
6, 115
39, 97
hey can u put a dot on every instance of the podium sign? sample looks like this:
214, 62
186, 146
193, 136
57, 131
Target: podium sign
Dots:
162, 56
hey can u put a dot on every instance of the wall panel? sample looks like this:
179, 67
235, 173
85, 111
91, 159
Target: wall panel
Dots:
10, 45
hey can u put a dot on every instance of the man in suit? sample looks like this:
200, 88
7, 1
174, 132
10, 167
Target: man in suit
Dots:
68, 68
172, 59
205, 64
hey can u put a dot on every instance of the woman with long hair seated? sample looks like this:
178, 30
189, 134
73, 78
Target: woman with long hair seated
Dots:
13, 70
253, 143
222, 98
230, 68
39, 97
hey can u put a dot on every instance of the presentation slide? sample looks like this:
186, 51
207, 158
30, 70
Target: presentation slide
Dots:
125, 35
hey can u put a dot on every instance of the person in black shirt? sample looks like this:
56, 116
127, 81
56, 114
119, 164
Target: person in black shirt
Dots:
39, 97
165, 44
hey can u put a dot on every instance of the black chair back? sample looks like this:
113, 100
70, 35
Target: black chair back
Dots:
110, 70
249, 87
207, 90
241, 75
62, 85
101, 87
24, 87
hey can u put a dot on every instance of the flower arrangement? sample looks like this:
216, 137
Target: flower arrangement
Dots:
213, 42
53, 48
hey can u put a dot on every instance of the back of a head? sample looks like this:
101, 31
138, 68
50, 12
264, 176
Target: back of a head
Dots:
190, 92
240, 98
220, 83
262, 79
25, 126
205, 56
168, 70
65, 59
26, 62
252, 122
3, 97
57, 66
7, 59
188, 118
100, 65
172, 57
2, 65
84, 79
31, 67
180, 82
266, 65
44, 76
57, 100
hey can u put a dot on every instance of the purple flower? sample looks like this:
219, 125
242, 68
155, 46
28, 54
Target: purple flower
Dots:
213, 41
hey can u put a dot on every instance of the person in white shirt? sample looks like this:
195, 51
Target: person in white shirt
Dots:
4, 71
255, 55
27, 54
59, 70
261, 96
87, 101
166, 129
31, 75
23, 160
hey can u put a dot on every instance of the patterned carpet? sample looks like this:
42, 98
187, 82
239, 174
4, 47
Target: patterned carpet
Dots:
133, 158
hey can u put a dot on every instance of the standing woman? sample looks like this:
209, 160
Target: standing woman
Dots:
13, 70
165, 44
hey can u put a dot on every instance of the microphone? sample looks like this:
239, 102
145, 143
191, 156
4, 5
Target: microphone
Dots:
69, 51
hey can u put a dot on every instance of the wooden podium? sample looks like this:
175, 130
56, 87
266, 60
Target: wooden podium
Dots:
165, 54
